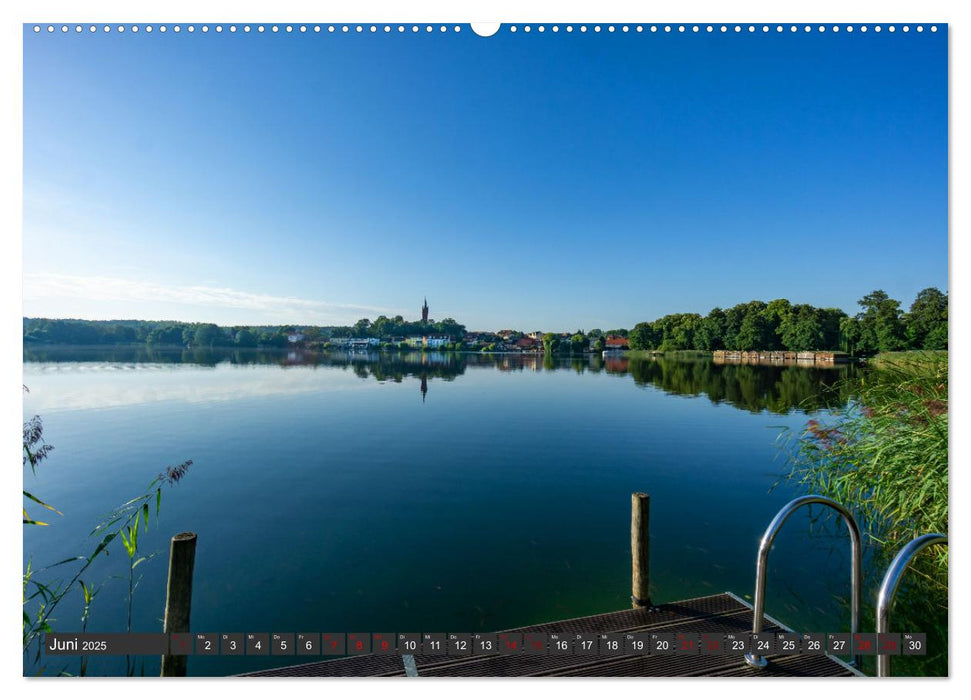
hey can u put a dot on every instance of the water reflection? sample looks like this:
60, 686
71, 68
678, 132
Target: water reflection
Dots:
776, 388
751, 387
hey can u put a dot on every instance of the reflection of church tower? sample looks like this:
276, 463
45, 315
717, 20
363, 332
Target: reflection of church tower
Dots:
424, 386
424, 312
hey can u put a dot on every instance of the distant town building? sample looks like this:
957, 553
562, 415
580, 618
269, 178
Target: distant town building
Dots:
536, 335
615, 342
526, 344
295, 337
429, 341
437, 341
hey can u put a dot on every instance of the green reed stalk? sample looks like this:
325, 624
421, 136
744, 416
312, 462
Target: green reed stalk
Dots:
885, 455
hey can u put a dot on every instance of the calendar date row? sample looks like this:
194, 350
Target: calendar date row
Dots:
336, 644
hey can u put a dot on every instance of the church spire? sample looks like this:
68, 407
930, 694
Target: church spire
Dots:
424, 311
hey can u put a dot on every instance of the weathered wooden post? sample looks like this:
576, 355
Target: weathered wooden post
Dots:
640, 549
178, 596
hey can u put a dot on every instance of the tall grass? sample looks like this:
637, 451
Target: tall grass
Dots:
41, 597
885, 456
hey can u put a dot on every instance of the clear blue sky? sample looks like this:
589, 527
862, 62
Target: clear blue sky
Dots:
539, 182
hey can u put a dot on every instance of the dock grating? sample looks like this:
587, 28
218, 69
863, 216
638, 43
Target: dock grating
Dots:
720, 613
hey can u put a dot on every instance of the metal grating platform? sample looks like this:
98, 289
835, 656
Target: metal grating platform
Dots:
718, 613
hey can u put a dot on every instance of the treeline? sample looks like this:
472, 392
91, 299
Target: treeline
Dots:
397, 327
48, 331
880, 326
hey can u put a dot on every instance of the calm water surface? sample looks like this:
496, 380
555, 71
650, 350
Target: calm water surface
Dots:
424, 493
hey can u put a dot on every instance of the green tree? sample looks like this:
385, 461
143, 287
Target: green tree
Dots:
165, 335
382, 327
802, 328
245, 338
733, 323
273, 340
711, 331
551, 343
683, 331
849, 334
676, 331
777, 312
926, 323
578, 343
450, 326
830, 321
207, 335
881, 328
362, 328
754, 333
643, 337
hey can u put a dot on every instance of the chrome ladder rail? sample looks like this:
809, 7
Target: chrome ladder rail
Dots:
761, 566
891, 581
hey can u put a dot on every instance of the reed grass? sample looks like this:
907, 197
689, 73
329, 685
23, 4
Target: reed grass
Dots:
885, 456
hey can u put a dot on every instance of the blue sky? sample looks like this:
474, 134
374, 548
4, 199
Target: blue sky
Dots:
533, 181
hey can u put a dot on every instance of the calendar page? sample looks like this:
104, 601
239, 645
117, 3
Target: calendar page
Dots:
605, 346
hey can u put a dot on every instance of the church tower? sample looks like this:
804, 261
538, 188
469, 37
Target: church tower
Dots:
424, 312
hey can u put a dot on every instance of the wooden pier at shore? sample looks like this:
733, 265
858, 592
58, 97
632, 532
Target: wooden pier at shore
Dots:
724, 613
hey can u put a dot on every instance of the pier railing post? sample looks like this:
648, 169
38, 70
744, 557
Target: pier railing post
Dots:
178, 596
640, 549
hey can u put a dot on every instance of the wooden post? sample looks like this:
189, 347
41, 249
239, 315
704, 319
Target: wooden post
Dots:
178, 596
640, 549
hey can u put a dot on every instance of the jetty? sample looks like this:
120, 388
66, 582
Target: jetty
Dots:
720, 615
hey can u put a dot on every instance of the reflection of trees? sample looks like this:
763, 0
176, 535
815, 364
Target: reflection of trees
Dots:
549, 362
104, 354
395, 367
778, 389
750, 387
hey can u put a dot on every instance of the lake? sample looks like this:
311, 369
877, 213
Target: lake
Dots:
435, 492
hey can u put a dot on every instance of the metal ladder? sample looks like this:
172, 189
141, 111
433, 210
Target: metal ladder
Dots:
761, 567
891, 581
885, 596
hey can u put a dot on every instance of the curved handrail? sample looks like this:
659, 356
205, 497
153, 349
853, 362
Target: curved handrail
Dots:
891, 581
761, 566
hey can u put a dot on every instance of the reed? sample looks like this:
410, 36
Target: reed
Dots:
43, 594
885, 456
